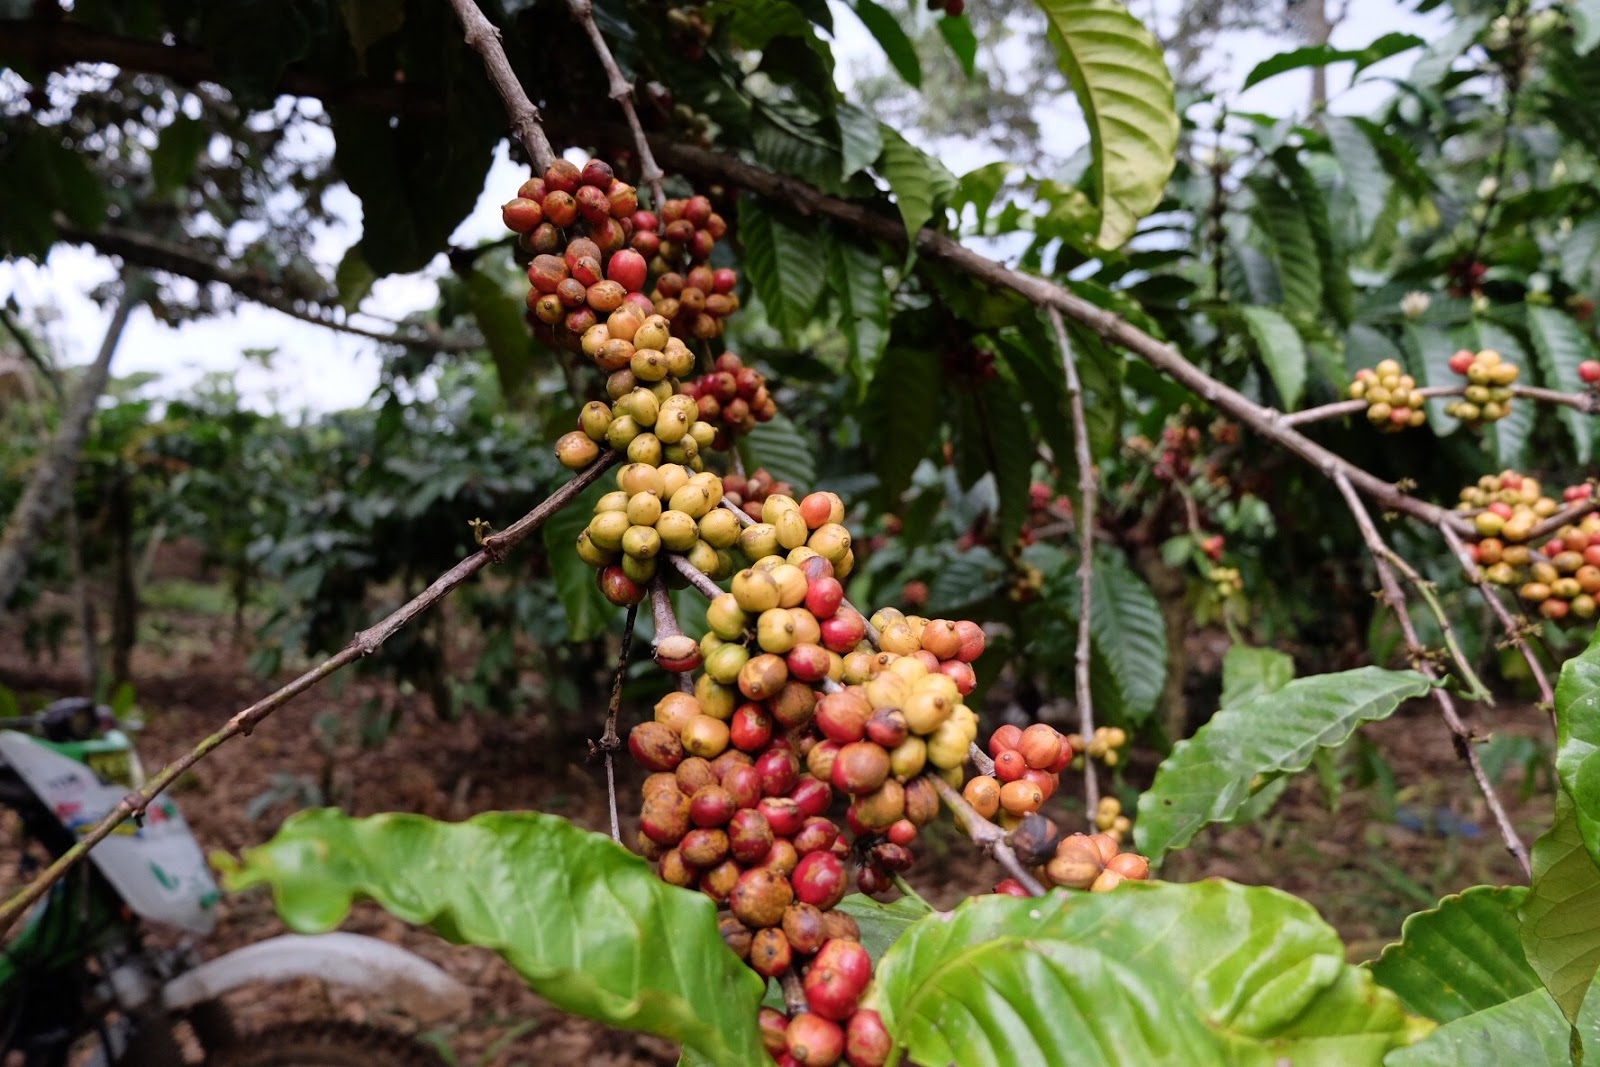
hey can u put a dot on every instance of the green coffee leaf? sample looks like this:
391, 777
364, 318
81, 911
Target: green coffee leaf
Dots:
1120, 77
919, 182
1129, 633
783, 450
585, 922
1281, 350
1561, 345
1248, 673
781, 253
1199, 974
1210, 775
855, 277
589, 613
1461, 957
885, 27
1561, 915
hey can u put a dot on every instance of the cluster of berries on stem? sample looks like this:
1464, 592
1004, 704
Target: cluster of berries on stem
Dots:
1391, 395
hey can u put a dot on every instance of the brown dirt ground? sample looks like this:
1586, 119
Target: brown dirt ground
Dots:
1364, 873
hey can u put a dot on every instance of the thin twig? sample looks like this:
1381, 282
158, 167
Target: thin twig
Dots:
363, 644
697, 578
1515, 632
1464, 742
907, 889
483, 37
986, 835
980, 759
1087, 490
609, 741
1587, 403
1337, 409
621, 91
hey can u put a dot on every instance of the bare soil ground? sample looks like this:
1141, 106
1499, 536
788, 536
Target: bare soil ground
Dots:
1362, 869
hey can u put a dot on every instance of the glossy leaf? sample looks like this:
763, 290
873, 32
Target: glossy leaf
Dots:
1208, 776
1281, 349
500, 312
1442, 54
1561, 345
783, 450
1429, 349
585, 922
1365, 177
918, 181
1200, 974
1578, 739
860, 138
1249, 672
172, 160
882, 924
1561, 915
1283, 220
903, 405
855, 277
957, 33
1128, 631
1461, 957
1510, 434
885, 27
1333, 265
1120, 77
781, 254
1528, 1030
1390, 44
974, 575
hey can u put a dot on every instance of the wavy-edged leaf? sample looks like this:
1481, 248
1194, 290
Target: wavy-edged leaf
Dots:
589, 613
1248, 673
1560, 344
1120, 77
1282, 220
783, 450
584, 921
891, 38
1208, 776
1510, 434
855, 277
1337, 295
1009, 452
781, 252
903, 407
1199, 974
957, 33
1578, 739
1442, 54
974, 575
1429, 349
1365, 177
1528, 1030
860, 139
918, 181
1281, 349
1038, 371
1561, 915
1461, 957
1127, 629
500, 317
882, 924
1322, 55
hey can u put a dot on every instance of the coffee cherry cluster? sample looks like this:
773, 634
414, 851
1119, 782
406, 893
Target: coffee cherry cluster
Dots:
811, 527
1567, 579
1105, 745
749, 492
1508, 505
910, 635
678, 243
733, 398
1027, 771
577, 224
1094, 862
1392, 401
655, 510
1108, 818
1488, 395
650, 424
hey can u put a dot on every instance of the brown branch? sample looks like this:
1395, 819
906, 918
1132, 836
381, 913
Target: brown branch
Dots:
1465, 744
1587, 403
1562, 518
986, 835
1085, 520
1515, 632
622, 92
50, 487
363, 644
147, 251
697, 578
55, 44
1337, 409
872, 222
483, 37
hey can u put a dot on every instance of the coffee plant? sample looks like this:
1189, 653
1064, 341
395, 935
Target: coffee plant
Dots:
1342, 311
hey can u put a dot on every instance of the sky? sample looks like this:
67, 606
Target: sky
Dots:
315, 369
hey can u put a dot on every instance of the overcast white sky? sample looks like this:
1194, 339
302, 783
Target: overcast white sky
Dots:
322, 370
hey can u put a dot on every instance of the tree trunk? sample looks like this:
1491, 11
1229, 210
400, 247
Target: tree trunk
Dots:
51, 484
125, 598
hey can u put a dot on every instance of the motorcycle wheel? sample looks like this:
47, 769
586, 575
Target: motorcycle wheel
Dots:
326, 1043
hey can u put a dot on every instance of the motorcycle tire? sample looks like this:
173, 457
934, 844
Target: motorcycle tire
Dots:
326, 1043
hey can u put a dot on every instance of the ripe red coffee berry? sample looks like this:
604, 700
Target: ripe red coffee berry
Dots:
521, 214
1010, 887
783, 814
780, 772
712, 806
823, 597
770, 953
1009, 765
750, 836
1040, 746
759, 897
655, 747
962, 674
819, 880
1588, 370
829, 993
860, 768
750, 728
972, 640
903, 832
815, 1041
773, 1025
1004, 738
812, 797
629, 269
745, 785
866, 1040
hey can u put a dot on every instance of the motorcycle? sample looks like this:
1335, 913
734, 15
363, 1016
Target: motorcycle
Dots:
79, 971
